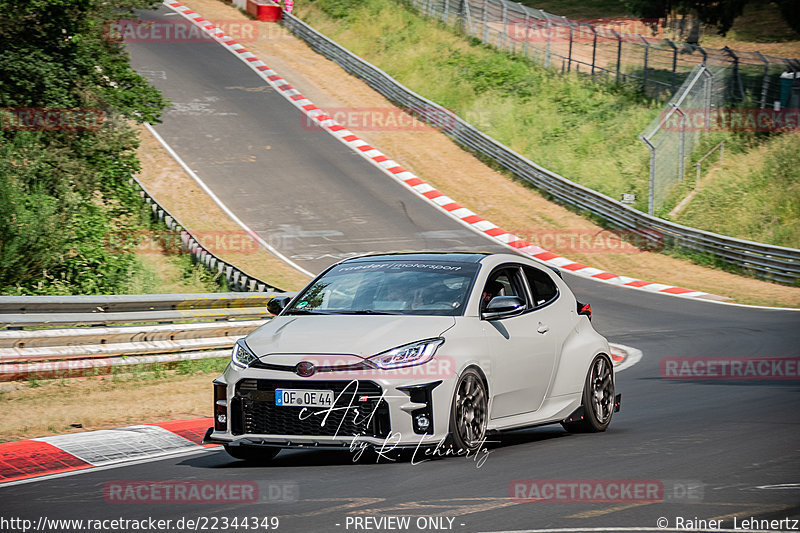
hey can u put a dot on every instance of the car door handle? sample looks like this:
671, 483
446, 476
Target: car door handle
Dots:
543, 328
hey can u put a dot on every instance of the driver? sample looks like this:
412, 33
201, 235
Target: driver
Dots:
493, 288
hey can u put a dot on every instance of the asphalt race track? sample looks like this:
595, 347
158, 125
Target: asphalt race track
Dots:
720, 448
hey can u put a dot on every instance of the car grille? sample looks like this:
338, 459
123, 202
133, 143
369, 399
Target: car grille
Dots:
253, 410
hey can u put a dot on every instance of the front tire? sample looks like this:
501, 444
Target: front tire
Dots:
252, 454
469, 412
598, 398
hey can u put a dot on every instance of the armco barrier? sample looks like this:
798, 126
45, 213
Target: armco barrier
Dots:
66, 351
775, 263
237, 279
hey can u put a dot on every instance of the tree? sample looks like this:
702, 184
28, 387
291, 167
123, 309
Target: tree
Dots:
63, 192
719, 13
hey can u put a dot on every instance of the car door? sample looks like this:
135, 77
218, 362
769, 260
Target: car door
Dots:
522, 350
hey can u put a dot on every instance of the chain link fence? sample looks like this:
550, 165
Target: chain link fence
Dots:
700, 81
614, 49
674, 134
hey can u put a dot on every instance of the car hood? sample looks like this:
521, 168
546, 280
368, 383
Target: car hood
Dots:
290, 339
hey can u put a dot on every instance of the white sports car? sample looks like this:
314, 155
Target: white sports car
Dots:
424, 350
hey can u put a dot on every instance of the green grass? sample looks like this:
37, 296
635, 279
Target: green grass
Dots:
754, 195
584, 129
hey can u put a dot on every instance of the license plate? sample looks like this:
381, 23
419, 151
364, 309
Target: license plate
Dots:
303, 398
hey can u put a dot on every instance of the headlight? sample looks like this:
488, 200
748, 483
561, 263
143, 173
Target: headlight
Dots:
416, 353
242, 356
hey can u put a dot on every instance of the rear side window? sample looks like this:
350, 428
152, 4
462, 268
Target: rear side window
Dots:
542, 286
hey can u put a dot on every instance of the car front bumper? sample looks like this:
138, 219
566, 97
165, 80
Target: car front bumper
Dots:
368, 411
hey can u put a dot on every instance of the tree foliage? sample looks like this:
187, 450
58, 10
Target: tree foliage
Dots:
718, 13
62, 192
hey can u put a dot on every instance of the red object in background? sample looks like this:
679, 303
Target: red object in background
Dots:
264, 10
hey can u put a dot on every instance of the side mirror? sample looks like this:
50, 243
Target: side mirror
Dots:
278, 304
503, 307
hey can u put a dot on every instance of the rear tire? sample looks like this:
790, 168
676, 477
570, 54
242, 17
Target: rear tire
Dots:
252, 454
598, 398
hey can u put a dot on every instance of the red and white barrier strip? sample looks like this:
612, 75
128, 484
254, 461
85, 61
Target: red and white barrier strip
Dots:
27, 459
395, 170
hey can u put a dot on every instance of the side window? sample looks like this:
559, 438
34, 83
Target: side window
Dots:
504, 282
543, 288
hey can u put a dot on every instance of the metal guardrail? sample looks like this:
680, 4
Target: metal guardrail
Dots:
65, 351
237, 279
47, 311
775, 263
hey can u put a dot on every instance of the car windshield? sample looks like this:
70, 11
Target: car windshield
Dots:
389, 287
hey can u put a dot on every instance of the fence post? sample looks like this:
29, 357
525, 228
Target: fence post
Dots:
485, 21
466, 18
651, 192
644, 70
569, 54
445, 11
702, 51
619, 51
547, 46
594, 47
682, 154
765, 81
674, 64
707, 93
737, 79
505, 23
527, 33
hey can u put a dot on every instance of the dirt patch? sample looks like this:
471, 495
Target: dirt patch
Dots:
436, 159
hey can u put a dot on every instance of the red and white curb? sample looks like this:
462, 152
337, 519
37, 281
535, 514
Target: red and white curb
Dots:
624, 357
60, 454
23, 460
393, 169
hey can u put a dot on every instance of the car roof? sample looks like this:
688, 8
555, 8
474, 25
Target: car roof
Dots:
451, 257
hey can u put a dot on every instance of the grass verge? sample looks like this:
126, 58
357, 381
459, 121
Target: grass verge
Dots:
584, 131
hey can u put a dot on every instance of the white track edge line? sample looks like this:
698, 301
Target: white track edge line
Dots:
222, 206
